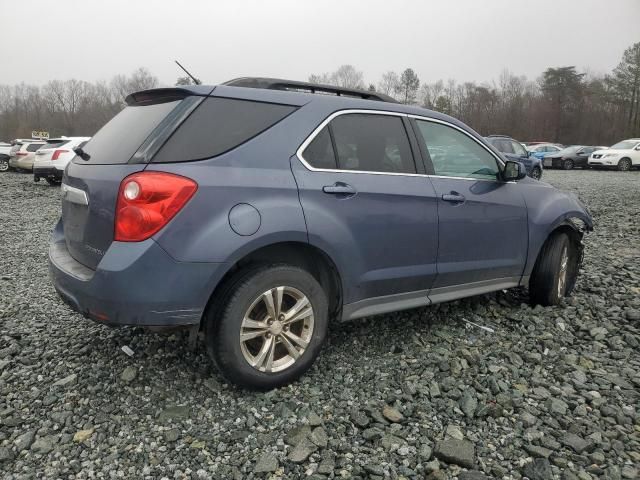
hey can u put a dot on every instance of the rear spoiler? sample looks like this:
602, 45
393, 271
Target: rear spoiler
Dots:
163, 95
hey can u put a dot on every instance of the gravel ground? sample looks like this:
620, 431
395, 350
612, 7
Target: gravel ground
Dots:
552, 393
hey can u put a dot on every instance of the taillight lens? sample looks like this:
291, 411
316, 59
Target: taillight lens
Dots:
147, 201
57, 154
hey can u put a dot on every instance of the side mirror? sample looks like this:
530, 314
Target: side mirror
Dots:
529, 153
638, 148
513, 171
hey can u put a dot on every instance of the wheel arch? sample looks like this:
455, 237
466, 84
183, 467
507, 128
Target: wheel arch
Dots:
301, 254
575, 227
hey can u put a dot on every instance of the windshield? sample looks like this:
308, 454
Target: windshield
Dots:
624, 145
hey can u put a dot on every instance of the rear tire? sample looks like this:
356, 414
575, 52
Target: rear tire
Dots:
567, 164
624, 165
258, 344
52, 182
555, 272
4, 165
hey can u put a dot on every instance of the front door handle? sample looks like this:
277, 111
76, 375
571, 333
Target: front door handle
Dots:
453, 197
339, 188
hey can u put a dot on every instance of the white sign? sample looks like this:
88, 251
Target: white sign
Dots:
40, 135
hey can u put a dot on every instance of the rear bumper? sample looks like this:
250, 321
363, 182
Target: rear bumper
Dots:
17, 162
47, 172
134, 284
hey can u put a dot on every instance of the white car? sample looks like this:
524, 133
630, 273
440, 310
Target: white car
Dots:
53, 157
23, 153
623, 155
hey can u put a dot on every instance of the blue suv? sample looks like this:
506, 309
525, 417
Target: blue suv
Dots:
514, 150
259, 211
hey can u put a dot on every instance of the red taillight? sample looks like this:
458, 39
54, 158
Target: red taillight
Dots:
147, 201
57, 153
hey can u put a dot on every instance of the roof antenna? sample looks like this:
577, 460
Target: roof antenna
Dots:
195, 80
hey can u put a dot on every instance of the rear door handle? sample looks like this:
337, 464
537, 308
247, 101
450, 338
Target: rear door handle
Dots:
339, 188
453, 197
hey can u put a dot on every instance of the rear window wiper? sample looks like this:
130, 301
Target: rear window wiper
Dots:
82, 154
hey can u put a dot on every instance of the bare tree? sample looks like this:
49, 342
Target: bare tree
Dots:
348, 77
389, 84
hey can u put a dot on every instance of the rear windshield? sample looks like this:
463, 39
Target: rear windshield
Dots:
119, 139
32, 147
219, 125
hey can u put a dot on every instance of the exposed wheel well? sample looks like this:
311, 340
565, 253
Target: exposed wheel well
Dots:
299, 254
575, 234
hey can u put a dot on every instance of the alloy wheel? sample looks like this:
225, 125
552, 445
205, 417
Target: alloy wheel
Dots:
624, 165
276, 329
4, 166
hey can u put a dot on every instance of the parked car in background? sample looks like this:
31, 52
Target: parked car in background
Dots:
624, 155
54, 156
541, 150
23, 154
570, 157
260, 215
514, 150
5, 150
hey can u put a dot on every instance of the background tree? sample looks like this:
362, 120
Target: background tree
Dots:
389, 84
186, 80
409, 84
625, 83
346, 76
563, 90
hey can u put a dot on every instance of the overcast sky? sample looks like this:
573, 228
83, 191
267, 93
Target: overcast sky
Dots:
219, 40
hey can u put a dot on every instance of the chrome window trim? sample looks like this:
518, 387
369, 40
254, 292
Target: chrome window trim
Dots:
326, 121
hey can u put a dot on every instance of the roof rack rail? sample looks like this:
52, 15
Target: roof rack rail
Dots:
306, 87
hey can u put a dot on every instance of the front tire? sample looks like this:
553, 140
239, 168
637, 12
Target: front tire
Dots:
4, 165
624, 165
268, 326
53, 182
536, 173
555, 271
567, 164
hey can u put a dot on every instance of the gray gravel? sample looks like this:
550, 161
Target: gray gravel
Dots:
553, 393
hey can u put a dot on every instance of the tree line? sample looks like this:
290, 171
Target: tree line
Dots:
563, 105
70, 107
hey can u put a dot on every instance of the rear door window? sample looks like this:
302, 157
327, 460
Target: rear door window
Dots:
119, 139
219, 125
372, 143
319, 153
